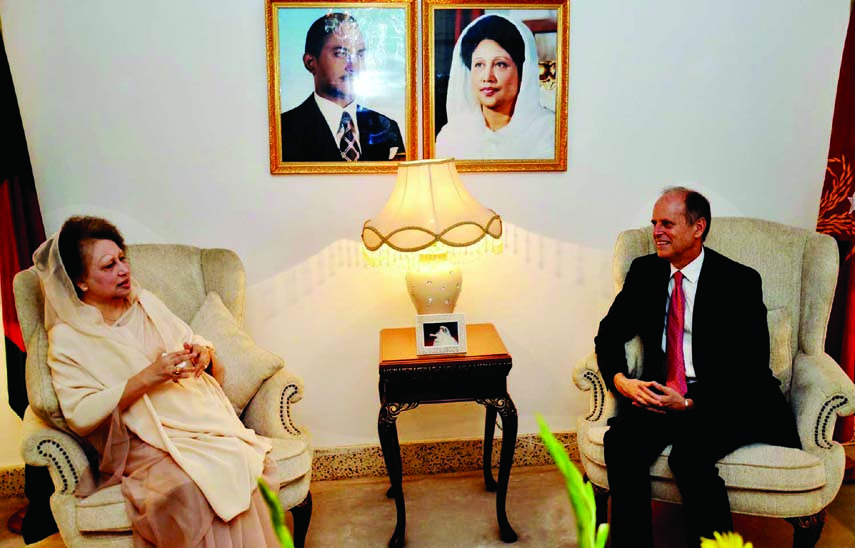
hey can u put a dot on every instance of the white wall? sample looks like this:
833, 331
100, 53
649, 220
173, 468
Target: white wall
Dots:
155, 115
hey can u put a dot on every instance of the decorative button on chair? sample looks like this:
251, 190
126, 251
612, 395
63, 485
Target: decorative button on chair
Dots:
799, 271
205, 288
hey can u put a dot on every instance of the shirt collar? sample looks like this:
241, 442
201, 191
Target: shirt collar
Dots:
692, 270
332, 114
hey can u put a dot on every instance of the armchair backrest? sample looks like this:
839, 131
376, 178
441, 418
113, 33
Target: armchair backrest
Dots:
181, 276
798, 266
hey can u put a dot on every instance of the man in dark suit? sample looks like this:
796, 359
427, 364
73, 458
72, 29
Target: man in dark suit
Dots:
706, 387
329, 126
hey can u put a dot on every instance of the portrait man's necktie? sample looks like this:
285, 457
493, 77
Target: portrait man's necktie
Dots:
674, 359
347, 145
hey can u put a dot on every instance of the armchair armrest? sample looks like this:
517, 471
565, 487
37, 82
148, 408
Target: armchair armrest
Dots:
44, 445
587, 377
269, 411
820, 392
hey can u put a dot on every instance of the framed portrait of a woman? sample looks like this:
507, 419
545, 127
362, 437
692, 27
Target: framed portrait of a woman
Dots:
341, 85
498, 84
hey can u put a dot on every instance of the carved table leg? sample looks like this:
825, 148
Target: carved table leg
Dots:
489, 428
508, 411
302, 514
388, 431
807, 529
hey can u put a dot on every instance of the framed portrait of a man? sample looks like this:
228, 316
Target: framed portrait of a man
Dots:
341, 93
498, 84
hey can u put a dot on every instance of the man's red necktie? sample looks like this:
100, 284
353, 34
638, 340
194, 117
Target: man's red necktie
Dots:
674, 360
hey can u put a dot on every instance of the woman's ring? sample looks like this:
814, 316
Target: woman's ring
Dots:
176, 371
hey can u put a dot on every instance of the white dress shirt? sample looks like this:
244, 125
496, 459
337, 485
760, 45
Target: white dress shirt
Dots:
332, 114
691, 272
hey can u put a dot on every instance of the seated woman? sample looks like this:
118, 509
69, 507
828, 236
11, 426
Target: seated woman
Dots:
493, 104
135, 381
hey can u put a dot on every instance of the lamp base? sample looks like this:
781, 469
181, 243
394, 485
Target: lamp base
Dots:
435, 289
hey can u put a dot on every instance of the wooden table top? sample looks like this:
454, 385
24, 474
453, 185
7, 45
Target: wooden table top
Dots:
398, 345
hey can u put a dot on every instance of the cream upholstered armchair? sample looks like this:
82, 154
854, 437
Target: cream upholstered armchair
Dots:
799, 271
205, 288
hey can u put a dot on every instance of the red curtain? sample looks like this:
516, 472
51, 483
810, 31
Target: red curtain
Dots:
837, 218
21, 228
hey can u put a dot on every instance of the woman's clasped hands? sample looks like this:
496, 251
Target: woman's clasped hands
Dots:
200, 357
191, 361
173, 366
183, 364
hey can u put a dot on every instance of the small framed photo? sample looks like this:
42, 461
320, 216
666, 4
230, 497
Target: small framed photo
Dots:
341, 85
440, 334
497, 79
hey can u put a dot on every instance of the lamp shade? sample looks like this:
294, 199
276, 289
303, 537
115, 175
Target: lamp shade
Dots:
429, 220
429, 205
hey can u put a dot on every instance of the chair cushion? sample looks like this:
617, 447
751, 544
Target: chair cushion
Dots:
105, 510
246, 365
753, 467
293, 458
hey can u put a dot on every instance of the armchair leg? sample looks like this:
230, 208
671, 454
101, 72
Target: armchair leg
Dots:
807, 529
302, 514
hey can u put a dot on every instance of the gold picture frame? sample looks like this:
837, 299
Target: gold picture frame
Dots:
383, 96
453, 102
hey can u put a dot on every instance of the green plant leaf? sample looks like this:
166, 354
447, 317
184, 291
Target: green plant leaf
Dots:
277, 515
602, 535
580, 493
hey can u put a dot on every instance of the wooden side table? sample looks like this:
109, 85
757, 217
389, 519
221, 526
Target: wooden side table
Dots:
408, 380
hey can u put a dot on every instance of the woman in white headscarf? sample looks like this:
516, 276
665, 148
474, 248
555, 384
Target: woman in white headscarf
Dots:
135, 381
493, 106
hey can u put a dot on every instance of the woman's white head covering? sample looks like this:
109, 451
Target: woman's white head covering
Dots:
531, 131
61, 302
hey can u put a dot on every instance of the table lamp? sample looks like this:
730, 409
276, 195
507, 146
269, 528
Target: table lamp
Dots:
428, 226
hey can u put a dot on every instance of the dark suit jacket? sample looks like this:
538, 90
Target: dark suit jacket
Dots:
730, 339
306, 136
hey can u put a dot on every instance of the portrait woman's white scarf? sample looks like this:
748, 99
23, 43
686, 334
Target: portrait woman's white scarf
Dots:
531, 131
192, 420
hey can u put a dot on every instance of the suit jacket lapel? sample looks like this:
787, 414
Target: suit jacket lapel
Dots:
322, 132
657, 306
701, 315
663, 277
363, 122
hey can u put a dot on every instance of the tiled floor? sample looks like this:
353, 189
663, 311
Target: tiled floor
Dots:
450, 511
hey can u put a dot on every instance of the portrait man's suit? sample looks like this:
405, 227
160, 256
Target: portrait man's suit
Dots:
306, 137
736, 399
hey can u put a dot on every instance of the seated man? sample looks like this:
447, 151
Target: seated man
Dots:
706, 389
329, 126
